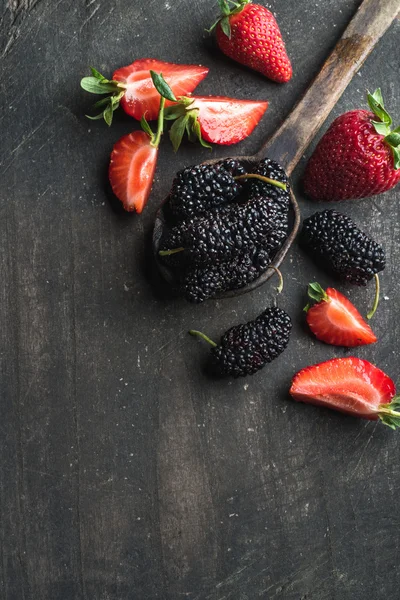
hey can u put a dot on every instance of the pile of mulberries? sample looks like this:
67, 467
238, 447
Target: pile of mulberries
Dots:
335, 241
223, 232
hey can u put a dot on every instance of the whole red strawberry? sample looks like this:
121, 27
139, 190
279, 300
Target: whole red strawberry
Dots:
249, 34
359, 156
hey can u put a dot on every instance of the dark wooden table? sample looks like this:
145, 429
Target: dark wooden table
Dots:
126, 472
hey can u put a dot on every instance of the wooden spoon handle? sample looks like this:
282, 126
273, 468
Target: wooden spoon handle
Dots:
369, 23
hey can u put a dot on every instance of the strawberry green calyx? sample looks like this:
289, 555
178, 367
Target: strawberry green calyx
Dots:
185, 118
98, 84
389, 413
317, 293
228, 8
393, 140
383, 126
203, 337
166, 93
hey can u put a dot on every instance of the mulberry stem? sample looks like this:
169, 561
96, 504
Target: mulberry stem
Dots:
376, 300
170, 252
279, 289
278, 184
203, 337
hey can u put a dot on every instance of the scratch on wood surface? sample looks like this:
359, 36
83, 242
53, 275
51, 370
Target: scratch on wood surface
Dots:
86, 21
232, 578
105, 19
17, 17
236, 578
17, 11
239, 579
24, 140
178, 335
363, 451
29, 136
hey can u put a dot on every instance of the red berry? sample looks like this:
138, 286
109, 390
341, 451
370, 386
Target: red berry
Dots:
141, 97
350, 385
132, 87
131, 172
216, 119
255, 41
335, 320
354, 159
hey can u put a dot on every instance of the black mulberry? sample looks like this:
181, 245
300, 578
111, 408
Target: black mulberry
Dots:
200, 283
233, 166
230, 231
337, 243
271, 169
196, 190
245, 349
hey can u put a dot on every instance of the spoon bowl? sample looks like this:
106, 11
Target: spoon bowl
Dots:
160, 224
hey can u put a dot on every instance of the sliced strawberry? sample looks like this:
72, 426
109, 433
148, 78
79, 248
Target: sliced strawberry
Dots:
227, 120
141, 97
215, 119
350, 385
131, 172
335, 320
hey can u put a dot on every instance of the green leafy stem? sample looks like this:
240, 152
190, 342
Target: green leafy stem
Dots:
228, 8
98, 84
383, 126
389, 413
166, 93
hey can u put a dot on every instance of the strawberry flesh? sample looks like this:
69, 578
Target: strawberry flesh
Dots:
350, 385
141, 97
131, 172
227, 120
338, 322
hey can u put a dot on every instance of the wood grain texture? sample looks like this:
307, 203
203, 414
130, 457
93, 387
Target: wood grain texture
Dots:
126, 472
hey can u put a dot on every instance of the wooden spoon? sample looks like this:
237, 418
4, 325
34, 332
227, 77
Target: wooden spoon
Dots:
292, 138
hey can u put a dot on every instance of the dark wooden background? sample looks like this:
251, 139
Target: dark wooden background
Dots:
126, 473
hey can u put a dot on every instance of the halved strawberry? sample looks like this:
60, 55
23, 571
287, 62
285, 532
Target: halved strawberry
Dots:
215, 119
350, 385
134, 157
141, 97
227, 120
131, 172
335, 320
132, 87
